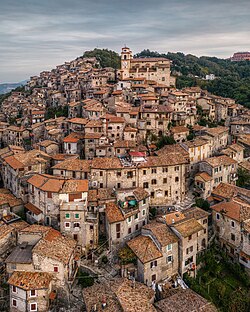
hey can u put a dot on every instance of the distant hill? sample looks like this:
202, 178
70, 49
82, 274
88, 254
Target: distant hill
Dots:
7, 87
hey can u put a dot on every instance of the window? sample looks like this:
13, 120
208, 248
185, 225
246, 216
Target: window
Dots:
118, 227
75, 237
118, 185
33, 306
204, 221
136, 216
33, 293
49, 194
129, 230
153, 277
189, 237
56, 269
129, 219
144, 201
118, 174
217, 216
164, 170
232, 237
143, 212
154, 170
91, 227
164, 180
144, 172
166, 193
145, 185
189, 260
118, 235
176, 168
14, 303
136, 227
76, 224
232, 224
14, 289
153, 182
77, 216
169, 247
153, 264
152, 194
176, 179
101, 185
130, 174
101, 173
169, 259
67, 225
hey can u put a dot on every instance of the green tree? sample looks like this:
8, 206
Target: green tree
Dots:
106, 58
165, 140
243, 177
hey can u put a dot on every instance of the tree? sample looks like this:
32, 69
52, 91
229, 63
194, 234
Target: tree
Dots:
165, 140
59, 111
202, 203
243, 177
126, 255
106, 58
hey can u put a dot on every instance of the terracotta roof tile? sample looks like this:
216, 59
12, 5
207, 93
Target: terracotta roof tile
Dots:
188, 227
33, 208
220, 160
162, 233
144, 248
30, 280
55, 246
74, 165
113, 213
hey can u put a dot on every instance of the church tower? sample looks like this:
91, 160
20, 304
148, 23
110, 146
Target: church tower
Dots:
126, 56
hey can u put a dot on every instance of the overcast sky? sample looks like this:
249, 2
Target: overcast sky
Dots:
36, 35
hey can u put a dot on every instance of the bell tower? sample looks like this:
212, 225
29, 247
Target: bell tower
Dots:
126, 56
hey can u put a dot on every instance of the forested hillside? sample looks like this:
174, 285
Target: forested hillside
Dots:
106, 58
233, 78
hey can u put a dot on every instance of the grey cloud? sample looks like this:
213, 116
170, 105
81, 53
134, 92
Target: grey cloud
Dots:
36, 35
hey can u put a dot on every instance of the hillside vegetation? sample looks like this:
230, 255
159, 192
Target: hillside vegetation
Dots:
106, 58
233, 78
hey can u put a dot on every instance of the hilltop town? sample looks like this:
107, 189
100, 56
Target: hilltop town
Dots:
116, 178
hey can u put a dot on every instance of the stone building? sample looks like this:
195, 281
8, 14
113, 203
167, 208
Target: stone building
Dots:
157, 69
156, 250
230, 221
18, 167
126, 216
192, 240
30, 291
47, 193
213, 171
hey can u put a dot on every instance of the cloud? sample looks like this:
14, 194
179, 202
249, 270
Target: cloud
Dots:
37, 35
